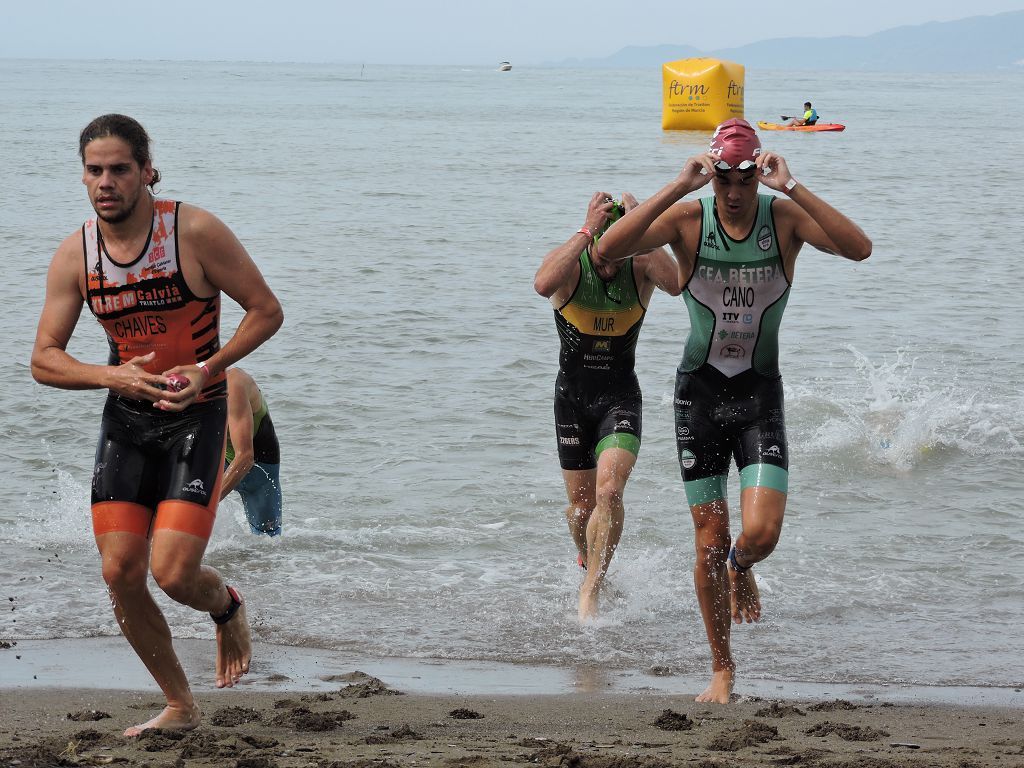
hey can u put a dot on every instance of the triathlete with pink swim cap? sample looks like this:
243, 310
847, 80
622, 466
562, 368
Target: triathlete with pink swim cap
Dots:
736, 251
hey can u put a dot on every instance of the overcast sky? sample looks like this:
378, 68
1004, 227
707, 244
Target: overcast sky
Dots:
525, 32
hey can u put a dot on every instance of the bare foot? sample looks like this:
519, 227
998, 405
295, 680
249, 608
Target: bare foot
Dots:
172, 719
588, 602
744, 597
719, 688
234, 649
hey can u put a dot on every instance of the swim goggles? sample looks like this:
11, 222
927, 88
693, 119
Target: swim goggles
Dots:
742, 165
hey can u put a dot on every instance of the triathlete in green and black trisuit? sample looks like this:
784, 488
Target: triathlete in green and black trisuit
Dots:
598, 403
728, 399
599, 309
736, 252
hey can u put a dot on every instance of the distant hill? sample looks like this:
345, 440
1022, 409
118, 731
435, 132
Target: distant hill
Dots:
968, 45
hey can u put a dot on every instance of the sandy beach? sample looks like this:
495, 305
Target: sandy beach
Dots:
294, 712
365, 723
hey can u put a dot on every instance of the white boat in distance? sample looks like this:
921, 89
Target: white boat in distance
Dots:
504, 66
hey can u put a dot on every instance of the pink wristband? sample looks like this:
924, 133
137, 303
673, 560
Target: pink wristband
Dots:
584, 231
203, 366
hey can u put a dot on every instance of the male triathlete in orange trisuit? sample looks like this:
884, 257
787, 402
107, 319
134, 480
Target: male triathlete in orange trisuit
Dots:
152, 271
736, 251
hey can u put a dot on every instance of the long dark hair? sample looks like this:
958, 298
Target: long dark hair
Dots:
123, 127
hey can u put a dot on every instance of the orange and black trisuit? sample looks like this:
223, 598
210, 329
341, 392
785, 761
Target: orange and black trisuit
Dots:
151, 461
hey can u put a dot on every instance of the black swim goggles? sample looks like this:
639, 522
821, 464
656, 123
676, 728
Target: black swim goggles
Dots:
742, 165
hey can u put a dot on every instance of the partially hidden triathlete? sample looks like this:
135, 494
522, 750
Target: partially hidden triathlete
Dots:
736, 251
152, 272
599, 309
252, 459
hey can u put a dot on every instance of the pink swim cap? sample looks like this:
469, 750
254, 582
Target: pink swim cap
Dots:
735, 141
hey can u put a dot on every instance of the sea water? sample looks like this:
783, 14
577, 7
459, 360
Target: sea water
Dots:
400, 215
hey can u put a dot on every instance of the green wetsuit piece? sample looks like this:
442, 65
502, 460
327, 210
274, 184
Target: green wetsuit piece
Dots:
600, 323
598, 404
736, 296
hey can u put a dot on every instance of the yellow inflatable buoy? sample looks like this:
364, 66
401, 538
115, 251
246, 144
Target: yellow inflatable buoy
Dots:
700, 93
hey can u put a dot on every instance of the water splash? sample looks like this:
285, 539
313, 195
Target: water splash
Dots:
894, 417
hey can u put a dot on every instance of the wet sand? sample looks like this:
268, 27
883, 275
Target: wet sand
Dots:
349, 718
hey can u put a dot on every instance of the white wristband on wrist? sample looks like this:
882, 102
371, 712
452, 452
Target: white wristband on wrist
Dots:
789, 185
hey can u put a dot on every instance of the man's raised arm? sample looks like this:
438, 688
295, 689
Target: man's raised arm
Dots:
644, 227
